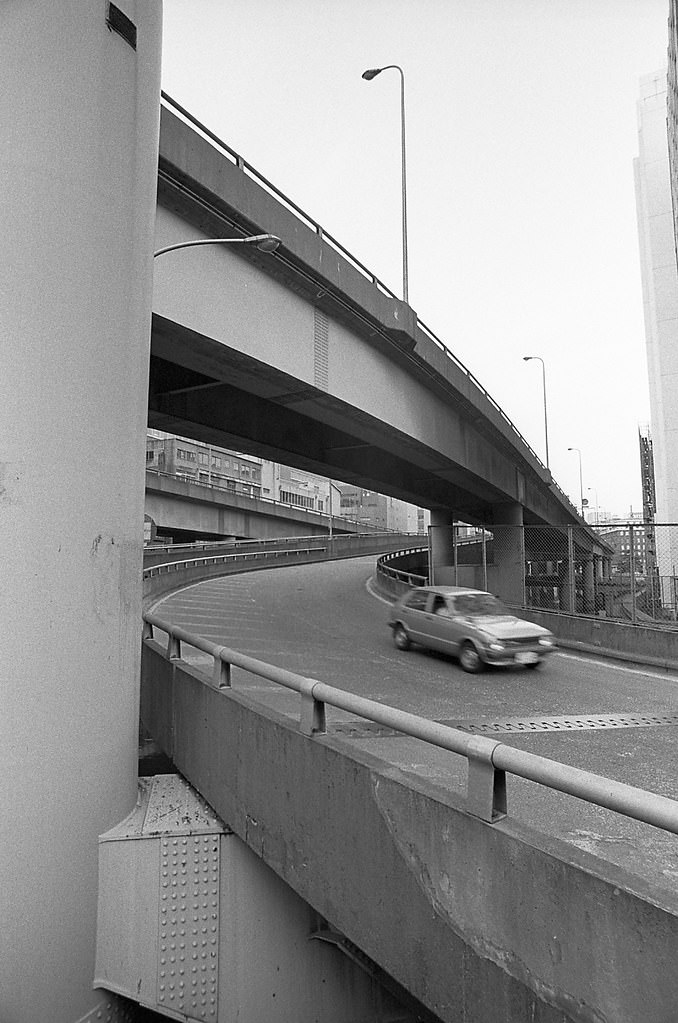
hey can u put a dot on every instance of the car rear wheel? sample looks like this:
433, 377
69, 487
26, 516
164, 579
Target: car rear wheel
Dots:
534, 665
400, 638
470, 659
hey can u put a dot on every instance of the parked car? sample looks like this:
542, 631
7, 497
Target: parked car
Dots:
470, 624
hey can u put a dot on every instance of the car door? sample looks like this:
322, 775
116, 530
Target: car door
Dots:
456, 627
439, 624
415, 616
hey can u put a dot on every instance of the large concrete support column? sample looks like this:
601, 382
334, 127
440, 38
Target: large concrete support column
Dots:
509, 553
442, 553
80, 113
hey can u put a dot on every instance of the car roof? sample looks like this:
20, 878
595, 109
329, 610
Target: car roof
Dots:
451, 591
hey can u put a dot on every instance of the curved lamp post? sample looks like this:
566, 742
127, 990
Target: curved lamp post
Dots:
528, 358
581, 485
265, 242
368, 76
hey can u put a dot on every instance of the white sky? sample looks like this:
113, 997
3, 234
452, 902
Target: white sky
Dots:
521, 132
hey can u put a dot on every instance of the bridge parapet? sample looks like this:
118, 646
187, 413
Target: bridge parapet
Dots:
478, 916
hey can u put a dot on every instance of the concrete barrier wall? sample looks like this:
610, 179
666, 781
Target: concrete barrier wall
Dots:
479, 922
205, 564
637, 643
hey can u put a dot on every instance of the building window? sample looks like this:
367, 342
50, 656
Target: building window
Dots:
202, 458
299, 500
150, 456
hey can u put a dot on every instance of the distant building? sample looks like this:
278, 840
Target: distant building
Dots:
380, 511
204, 463
297, 487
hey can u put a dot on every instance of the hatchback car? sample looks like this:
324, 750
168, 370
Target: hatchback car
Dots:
469, 624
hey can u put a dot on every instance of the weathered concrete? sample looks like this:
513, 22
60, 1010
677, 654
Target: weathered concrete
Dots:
78, 164
480, 922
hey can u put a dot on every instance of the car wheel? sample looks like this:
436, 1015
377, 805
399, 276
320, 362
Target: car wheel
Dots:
469, 658
532, 667
400, 638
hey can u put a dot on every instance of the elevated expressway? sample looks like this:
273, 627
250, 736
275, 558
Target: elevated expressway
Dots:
303, 357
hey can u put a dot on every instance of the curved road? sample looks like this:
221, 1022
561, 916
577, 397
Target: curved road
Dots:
324, 621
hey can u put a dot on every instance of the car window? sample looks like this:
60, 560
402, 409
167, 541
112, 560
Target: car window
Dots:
417, 599
479, 604
440, 607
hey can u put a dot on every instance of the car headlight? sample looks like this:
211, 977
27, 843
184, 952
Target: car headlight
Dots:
546, 641
497, 647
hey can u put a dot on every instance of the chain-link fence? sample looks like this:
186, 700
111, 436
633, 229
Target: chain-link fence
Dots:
627, 572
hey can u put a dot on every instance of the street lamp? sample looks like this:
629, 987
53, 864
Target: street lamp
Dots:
368, 76
581, 485
528, 358
265, 242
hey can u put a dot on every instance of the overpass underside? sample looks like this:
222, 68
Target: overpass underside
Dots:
477, 921
205, 389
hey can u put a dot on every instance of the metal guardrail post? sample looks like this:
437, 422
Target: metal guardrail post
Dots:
173, 647
486, 785
570, 570
222, 670
147, 631
484, 547
312, 717
632, 573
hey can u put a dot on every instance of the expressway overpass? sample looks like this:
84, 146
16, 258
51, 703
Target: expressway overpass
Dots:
189, 509
300, 356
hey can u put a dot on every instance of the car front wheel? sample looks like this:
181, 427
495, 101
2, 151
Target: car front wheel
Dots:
400, 638
470, 659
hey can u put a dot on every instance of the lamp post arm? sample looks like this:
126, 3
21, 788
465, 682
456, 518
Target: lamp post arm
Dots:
266, 242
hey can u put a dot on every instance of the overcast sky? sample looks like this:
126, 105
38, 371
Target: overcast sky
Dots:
521, 133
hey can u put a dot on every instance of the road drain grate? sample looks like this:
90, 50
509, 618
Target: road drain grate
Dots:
567, 723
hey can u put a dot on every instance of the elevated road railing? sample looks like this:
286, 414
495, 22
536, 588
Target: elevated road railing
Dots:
489, 761
185, 564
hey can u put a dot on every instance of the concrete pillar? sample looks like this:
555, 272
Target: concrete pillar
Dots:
589, 586
442, 553
508, 577
80, 114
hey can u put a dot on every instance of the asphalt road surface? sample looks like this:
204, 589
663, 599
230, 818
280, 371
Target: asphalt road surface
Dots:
326, 622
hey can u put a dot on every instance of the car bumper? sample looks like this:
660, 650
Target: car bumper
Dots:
505, 658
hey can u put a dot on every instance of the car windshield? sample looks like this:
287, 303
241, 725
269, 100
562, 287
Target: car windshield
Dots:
479, 604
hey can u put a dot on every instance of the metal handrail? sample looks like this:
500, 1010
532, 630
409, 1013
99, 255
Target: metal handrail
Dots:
488, 759
220, 559
322, 233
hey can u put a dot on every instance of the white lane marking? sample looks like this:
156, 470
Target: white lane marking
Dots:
664, 675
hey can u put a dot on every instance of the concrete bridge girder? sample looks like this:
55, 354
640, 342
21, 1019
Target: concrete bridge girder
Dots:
308, 361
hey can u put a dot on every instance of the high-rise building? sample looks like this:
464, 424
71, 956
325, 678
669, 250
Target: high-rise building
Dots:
659, 275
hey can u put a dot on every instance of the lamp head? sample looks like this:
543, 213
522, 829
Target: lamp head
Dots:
265, 242
371, 73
